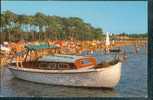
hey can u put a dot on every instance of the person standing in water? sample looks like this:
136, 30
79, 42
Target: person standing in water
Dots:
136, 48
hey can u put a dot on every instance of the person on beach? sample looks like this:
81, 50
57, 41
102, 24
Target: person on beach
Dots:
5, 47
19, 48
92, 47
59, 44
50, 42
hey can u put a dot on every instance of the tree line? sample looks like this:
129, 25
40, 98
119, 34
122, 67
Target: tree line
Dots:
41, 27
142, 35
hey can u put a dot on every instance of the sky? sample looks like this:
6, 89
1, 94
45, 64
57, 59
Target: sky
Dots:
112, 16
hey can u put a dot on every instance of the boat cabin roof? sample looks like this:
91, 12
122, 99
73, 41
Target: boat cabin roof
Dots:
60, 58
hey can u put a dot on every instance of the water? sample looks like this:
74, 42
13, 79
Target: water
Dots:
133, 82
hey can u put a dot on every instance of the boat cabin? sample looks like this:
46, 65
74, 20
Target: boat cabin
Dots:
61, 62
68, 61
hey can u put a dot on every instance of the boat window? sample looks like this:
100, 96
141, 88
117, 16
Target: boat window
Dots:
86, 61
55, 65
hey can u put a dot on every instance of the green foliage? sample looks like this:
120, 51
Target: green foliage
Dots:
142, 35
42, 27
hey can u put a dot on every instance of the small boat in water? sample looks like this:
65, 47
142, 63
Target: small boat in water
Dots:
70, 70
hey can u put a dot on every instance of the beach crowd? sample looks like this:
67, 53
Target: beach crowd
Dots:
16, 49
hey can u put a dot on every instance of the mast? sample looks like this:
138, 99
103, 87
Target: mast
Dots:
107, 42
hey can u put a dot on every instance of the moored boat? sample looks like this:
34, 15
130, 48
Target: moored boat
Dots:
70, 70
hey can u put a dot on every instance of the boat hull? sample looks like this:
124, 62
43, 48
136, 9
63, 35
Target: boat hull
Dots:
103, 77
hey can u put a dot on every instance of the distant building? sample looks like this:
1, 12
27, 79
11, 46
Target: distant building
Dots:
121, 37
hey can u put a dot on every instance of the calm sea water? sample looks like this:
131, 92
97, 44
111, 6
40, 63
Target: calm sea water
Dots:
133, 82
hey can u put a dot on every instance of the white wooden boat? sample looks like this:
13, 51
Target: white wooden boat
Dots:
88, 74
